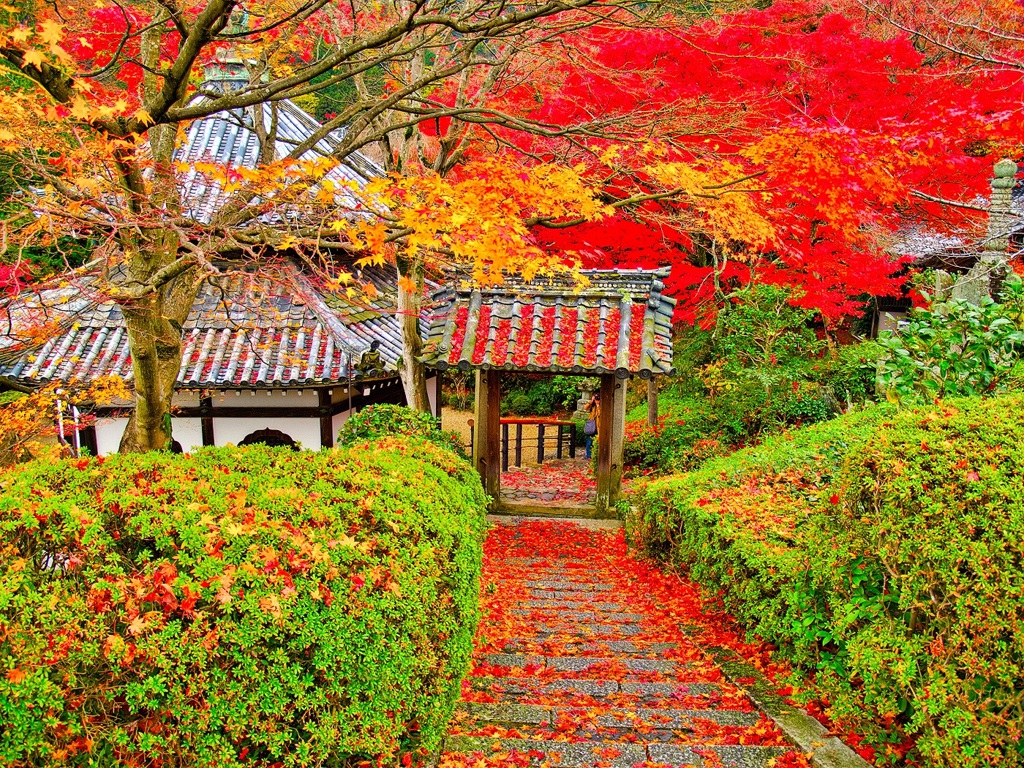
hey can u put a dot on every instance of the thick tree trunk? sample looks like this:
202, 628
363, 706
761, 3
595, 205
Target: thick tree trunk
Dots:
155, 320
155, 344
412, 371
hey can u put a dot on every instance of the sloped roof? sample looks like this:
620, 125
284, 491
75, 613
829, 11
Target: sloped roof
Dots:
956, 251
230, 139
243, 331
620, 323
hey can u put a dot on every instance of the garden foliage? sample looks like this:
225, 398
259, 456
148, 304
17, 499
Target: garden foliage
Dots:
955, 347
236, 607
762, 369
386, 419
881, 550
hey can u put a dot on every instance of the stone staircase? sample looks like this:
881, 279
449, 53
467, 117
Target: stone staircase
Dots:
578, 670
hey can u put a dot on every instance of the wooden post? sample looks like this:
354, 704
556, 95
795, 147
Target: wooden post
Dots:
206, 420
604, 445
326, 422
487, 445
618, 433
504, 447
652, 401
519, 445
540, 443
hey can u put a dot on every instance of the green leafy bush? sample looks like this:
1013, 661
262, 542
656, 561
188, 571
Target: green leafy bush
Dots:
236, 607
954, 348
881, 551
387, 419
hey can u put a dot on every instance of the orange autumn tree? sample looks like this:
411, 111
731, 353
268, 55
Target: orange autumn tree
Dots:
96, 96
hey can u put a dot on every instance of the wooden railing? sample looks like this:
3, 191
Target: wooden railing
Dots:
563, 433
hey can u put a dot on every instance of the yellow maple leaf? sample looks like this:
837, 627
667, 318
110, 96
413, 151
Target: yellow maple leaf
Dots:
406, 284
80, 110
50, 32
34, 59
20, 34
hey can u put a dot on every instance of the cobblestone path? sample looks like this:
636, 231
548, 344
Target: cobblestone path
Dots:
582, 660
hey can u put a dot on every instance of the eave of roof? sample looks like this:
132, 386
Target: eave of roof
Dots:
243, 332
620, 323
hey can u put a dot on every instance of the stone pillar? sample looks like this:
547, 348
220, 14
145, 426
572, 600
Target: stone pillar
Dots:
986, 277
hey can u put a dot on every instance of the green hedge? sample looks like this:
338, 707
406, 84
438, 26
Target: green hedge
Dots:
236, 606
883, 551
386, 419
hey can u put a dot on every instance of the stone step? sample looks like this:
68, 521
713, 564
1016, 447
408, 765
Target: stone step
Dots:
573, 604
587, 754
514, 686
653, 718
595, 754
620, 631
579, 595
618, 647
570, 615
582, 663
564, 585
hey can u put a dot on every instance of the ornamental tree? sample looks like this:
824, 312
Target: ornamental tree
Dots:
95, 96
845, 131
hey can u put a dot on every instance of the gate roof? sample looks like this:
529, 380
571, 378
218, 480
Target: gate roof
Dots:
620, 322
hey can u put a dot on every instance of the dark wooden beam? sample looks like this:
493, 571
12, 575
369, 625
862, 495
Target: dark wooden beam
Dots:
206, 420
326, 423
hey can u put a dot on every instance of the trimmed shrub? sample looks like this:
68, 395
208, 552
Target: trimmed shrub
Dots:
236, 607
386, 419
881, 550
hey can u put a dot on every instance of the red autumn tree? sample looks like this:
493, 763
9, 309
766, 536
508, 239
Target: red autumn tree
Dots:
849, 132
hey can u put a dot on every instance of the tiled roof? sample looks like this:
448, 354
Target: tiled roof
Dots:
242, 332
229, 139
620, 323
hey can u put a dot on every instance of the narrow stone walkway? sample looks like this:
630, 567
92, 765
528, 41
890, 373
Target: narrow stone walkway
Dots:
555, 483
581, 660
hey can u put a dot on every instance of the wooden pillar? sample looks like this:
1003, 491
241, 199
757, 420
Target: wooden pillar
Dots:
326, 422
652, 401
487, 442
605, 423
206, 420
618, 438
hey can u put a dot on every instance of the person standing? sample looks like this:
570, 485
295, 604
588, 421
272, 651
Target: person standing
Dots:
590, 427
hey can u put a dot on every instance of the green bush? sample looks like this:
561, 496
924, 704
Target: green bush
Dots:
955, 348
881, 551
236, 607
386, 419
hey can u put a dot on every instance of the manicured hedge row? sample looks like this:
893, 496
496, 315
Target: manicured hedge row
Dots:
236, 607
883, 551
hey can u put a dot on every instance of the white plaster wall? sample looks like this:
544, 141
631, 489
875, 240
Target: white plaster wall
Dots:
185, 399
188, 432
271, 398
108, 434
432, 387
337, 420
306, 432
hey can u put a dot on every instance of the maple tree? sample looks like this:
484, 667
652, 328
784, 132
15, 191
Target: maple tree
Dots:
97, 95
845, 131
